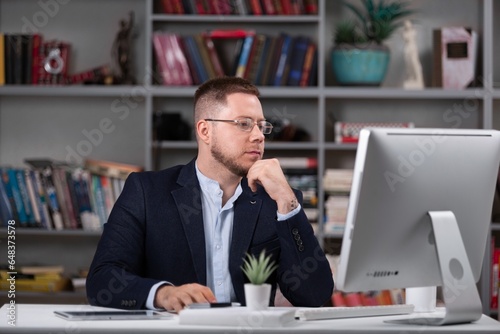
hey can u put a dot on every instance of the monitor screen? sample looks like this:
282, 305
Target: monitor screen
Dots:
401, 175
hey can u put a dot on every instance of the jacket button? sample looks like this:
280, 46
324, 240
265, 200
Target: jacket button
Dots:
295, 231
301, 248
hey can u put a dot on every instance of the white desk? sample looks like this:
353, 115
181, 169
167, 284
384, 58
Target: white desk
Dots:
33, 318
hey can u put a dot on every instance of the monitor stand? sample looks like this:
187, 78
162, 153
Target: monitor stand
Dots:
461, 298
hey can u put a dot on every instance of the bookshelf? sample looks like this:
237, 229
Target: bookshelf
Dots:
53, 117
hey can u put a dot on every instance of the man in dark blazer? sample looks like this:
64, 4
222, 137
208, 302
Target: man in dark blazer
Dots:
179, 236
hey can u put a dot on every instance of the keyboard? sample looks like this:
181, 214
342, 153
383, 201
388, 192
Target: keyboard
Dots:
352, 312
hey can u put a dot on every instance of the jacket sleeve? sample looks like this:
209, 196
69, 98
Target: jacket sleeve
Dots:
304, 275
114, 278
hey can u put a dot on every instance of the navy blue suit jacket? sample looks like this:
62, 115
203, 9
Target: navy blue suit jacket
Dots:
155, 233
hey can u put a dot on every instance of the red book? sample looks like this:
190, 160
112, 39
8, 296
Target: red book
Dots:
200, 7
168, 6
286, 6
308, 60
495, 277
214, 57
235, 33
181, 63
161, 58
35, 65
256, 7
338, 299
311, 7
268, 6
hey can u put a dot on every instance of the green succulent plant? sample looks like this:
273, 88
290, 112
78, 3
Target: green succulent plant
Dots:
258, 269
377, 21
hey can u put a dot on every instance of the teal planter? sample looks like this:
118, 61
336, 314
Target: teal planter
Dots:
360, 66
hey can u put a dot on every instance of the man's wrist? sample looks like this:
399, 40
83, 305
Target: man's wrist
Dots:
287, 205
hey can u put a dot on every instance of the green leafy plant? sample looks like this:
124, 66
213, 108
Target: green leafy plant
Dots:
258, 269
377, 21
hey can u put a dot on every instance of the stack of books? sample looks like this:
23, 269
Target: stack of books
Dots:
36, 279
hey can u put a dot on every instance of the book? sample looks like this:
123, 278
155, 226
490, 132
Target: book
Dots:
307, 66
111, 168
297, 58
164, 58
279, 75
495, 277
41, 269
196, 58
2, 59
5, 206
213, 56
243, 57
35, 62
297, 162
455, 53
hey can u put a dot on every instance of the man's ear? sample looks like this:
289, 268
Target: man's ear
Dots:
203, 131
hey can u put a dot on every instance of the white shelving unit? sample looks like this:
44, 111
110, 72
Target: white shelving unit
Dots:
48, 121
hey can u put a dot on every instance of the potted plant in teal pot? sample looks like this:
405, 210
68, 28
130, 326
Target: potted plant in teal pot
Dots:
359, 56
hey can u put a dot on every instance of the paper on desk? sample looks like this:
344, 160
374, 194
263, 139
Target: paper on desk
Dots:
238, 316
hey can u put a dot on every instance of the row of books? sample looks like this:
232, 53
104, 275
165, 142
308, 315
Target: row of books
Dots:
57, 196
282, 60
26, 59
35, 279
370, 298
240, 7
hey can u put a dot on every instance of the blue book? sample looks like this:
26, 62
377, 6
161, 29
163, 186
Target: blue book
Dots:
5, 207
192, 49
297, 60
243, 58
283, 59
23, 191
16, 194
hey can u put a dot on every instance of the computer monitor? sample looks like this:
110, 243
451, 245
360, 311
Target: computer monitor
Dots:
408, 187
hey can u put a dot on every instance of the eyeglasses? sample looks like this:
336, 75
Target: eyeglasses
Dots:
246, 124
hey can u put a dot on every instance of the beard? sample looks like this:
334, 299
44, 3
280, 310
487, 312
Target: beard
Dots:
227, 161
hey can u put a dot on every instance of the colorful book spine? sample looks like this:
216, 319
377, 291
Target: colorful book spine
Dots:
243, 58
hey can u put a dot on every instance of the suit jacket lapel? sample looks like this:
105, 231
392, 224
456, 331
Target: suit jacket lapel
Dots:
246, 211
188, 201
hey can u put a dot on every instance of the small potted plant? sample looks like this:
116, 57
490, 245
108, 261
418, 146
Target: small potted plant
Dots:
258, 270
359, 56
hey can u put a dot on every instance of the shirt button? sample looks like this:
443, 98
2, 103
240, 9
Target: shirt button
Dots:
219, 283
217, 246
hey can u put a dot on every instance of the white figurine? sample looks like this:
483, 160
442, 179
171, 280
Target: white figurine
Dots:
414, 78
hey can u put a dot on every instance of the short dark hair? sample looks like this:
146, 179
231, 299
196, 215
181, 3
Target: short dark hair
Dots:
214, 92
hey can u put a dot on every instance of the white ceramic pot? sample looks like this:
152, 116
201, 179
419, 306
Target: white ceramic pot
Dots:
257, 296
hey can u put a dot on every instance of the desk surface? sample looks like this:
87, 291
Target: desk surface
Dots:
38, 318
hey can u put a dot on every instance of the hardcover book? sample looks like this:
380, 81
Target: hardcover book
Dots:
455, 53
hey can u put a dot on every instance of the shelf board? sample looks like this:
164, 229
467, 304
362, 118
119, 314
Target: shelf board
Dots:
265, 91
495, 226
400, 93
341, 147
70, 90
182, 145
51, 233
274, 19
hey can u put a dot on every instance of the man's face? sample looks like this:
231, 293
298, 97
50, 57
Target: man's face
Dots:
232, 147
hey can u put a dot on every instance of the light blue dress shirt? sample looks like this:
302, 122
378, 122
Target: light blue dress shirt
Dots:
218, 225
